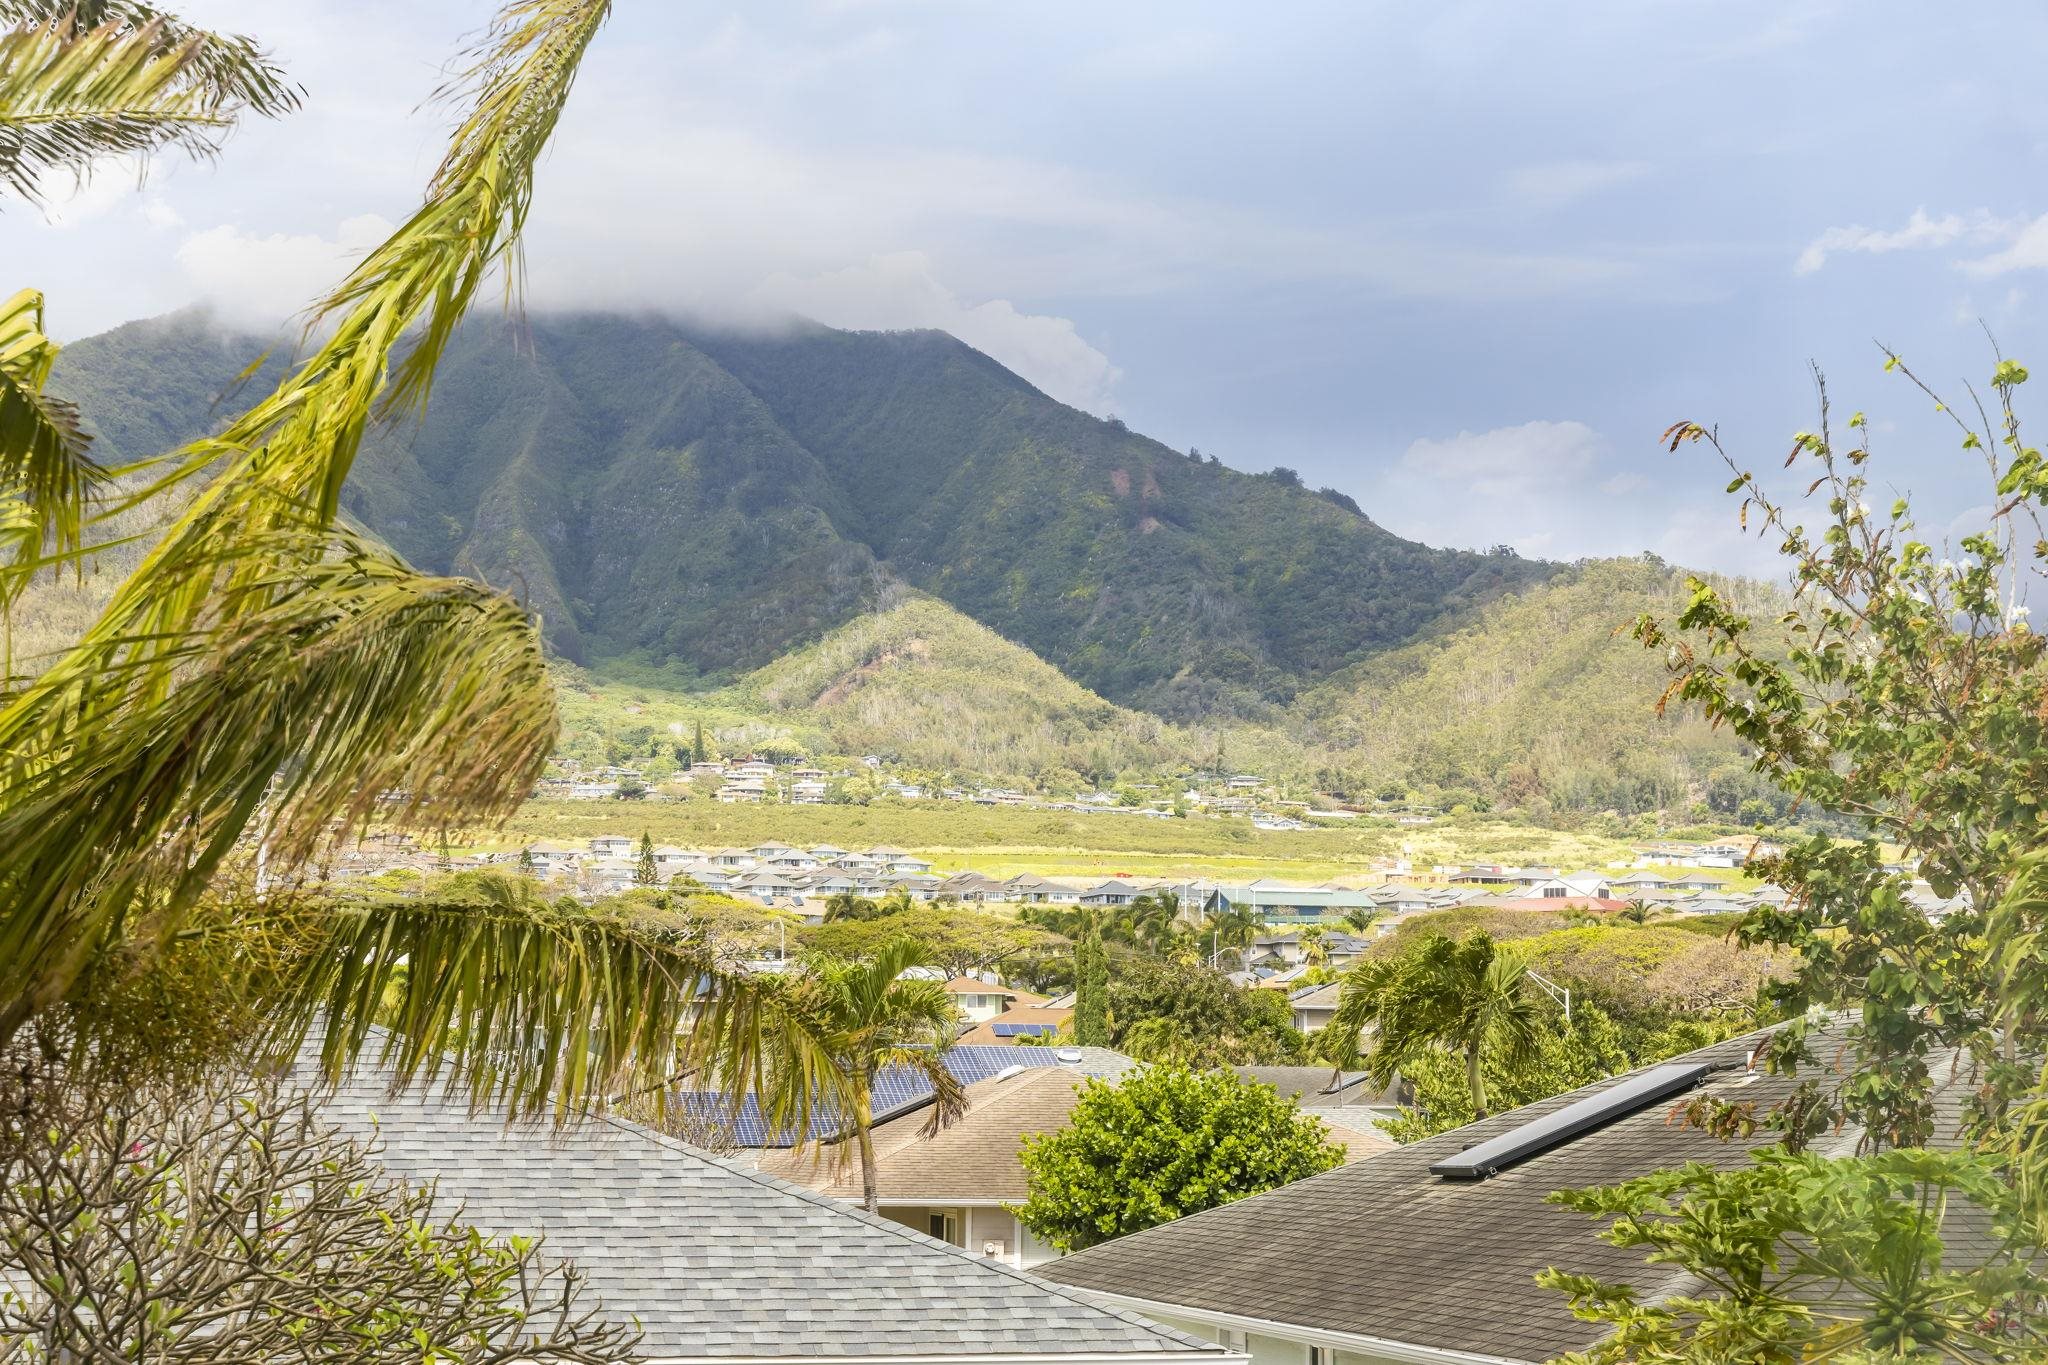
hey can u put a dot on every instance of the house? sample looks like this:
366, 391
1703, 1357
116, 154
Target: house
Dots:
1314, 1007
974, 888
614, 846
1429, 1252
1027, 889
955, 1184
1111, 892
807, 792
753, 769
549, 857
739, 858
1244, 782
1020, 1025
979, 1000
717, 1262
1577, 886
742, 790
1275, 901
708, 768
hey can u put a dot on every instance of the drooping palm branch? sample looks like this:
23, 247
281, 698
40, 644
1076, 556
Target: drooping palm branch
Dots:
47, 474
528, 1008
86, 79
266, 674
134, 763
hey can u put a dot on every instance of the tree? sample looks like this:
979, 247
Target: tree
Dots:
1806, 1258
1091, 990
698, 753
845, 905
646, 872
874, 1016
223, 1220
1468, 997
1162, 1143
267, 675
1234, 926
1187, 1013
1908, 696
1154, 919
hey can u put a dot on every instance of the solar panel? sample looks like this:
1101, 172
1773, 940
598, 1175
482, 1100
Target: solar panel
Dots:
1024, 1030
1582, 1116
896, 1089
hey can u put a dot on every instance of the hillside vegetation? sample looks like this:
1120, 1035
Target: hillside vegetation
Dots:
887, 544
709, 502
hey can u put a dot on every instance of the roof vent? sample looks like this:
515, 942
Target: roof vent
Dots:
1069, 1054
1007, 1072
1582, 1116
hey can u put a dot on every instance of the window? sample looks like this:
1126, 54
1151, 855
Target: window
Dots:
944, 1226
1322, 1355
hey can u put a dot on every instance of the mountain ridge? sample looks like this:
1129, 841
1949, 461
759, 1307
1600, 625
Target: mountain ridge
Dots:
666, 493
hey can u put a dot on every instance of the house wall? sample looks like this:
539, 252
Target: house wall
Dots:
974, 1226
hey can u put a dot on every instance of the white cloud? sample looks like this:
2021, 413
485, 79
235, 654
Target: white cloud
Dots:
1626, 482
264, 279
1507, 462
2026, 249
899, 290
1557, 183
105, 186
159, 214
1919, 233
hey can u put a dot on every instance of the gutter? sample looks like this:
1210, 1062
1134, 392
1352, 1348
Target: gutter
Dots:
1210, 1357
1405, 1352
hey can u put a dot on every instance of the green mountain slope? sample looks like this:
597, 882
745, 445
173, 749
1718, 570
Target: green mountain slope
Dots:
923, 684
708, 501
1541, 697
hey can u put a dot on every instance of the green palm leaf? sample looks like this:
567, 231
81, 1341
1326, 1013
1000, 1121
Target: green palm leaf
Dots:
88, 79
47, 476
367, 678
527, 1007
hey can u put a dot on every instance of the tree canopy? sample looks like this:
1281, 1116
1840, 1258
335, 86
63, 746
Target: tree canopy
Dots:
1160, 1144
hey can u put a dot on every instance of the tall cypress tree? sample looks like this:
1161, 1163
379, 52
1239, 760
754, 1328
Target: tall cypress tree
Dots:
1091, 990
697, 754
647, 874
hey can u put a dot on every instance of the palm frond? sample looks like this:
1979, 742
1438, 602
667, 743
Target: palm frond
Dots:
367, 679
150, 744
529, 1008
87, 79
47, 475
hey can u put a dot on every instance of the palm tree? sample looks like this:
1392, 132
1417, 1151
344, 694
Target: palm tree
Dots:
1469, 996
1154, 919
1314, 951
1359, 920
872, 1016
1636, 911
1234, 926
266, 675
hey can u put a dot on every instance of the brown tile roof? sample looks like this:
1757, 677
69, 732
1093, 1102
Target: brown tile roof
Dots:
985, 1032
1404, 1256
968, 985
975, 1159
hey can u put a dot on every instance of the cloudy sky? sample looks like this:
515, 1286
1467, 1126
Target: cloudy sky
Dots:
1461, 261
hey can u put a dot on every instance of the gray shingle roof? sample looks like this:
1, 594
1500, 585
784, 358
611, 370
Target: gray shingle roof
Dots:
1401, 1255
718, 1260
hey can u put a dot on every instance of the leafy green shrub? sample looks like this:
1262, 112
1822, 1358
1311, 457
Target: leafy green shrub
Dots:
1164, 1143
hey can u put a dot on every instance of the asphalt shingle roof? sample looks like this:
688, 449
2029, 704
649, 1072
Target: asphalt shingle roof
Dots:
1402, 1255
721, 1261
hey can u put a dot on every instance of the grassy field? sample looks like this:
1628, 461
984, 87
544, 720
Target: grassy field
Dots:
1001, 841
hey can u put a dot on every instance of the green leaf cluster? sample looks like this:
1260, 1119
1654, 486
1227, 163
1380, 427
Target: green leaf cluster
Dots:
1160, 1144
